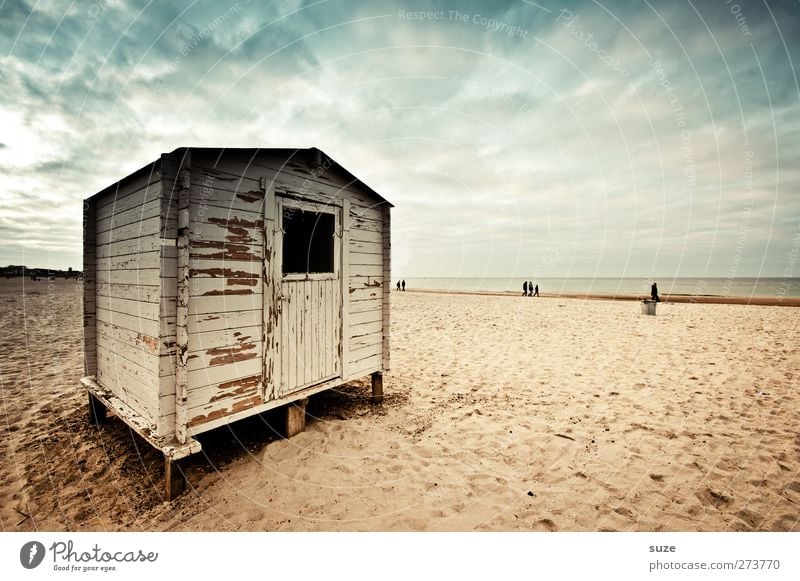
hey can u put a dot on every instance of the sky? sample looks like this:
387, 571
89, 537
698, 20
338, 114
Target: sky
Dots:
515, 138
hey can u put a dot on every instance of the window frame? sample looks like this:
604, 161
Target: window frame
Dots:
318, 208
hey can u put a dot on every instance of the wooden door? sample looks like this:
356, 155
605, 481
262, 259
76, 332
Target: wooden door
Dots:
309, 327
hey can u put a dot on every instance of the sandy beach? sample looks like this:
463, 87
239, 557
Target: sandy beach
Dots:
502, 413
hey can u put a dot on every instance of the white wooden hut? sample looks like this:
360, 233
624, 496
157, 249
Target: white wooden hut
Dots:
221, 283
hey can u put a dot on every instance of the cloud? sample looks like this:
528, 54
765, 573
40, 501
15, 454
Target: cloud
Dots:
625, 139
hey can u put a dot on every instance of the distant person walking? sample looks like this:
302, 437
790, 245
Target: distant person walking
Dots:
654, 292
536, 291
525, 288
398, 285
404, 285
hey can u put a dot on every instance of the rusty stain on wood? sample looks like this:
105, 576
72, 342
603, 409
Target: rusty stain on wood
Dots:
216, 175
222, 272
236, 387
237, 407
251, 196
228, 355
242, 282
228, 291
150, 342
227, 251
236, 222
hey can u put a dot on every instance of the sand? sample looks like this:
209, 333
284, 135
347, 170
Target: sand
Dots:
502, 413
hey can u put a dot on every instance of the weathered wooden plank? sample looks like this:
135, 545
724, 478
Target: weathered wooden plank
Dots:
224, 399
128, 262
365, 328
366, 247
366, 236
370, 316
89, 288
328, 340
231, 357
203, 304
217, 396
297, 174
130, 200
311, 343
222, 338
148, 243
133, 186
365, 294
364, 352
133, 323
227, 320
233, 174
346, 286
271, 309
139, 229
132, 307
365, 282
144, 276
223, 373
362, 259
225, 269
359, 223
182, 380
363, 306
141, 363
231, 224
365, 366
168, 308
387, 298
119, 382
292, 332
366, 340
224, 190
226, 251
128, 380
137, 292
166, 371
371, 212
368, 270
166, 423
221, 286
136, 214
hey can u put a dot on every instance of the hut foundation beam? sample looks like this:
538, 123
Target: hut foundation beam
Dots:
296, 417
377, 387
174, 481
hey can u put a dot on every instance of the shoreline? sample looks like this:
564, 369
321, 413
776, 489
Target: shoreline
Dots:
673, 298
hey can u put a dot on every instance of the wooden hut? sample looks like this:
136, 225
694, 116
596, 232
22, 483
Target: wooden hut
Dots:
221, 283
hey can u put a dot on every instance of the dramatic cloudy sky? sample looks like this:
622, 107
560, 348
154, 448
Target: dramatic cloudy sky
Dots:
514, 138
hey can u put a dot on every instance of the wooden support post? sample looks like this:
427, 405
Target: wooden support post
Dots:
296, 417
97, 411
377, 387
174, 481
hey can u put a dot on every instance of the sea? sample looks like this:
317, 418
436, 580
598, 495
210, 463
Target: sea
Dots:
726, 287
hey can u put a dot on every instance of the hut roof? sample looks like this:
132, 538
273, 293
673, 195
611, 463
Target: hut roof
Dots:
251, 151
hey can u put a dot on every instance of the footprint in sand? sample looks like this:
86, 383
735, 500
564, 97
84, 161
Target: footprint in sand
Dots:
712, 498
623, 511
545, 524
787, 523
752, 519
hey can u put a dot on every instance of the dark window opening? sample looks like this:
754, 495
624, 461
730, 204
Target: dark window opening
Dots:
307, 241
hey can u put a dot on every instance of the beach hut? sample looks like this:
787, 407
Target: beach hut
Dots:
221, 283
